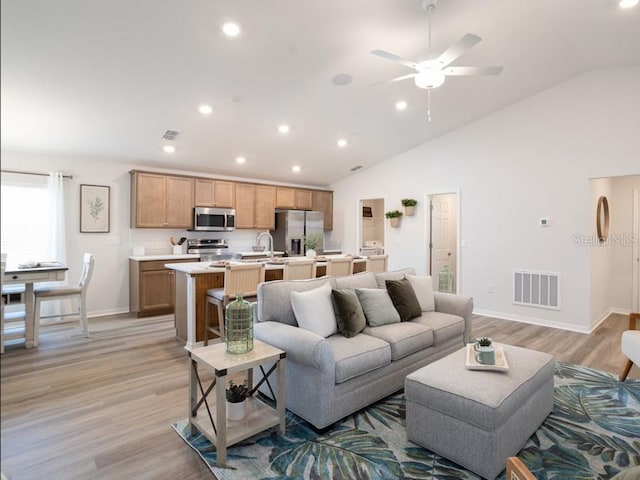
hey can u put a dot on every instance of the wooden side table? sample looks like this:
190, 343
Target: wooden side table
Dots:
222, 432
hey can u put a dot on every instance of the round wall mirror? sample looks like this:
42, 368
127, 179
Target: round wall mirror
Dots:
602, 219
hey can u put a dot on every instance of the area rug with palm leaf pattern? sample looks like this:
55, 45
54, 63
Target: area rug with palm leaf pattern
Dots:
592, 433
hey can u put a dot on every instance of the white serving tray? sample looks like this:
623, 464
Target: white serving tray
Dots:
501, 364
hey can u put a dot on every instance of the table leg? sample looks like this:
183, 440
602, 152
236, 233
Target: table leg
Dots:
221, 421
193, 392
29, 319
280, 402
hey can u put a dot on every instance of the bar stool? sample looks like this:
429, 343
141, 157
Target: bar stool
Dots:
299, 269
242, 279
377, 263
340, 266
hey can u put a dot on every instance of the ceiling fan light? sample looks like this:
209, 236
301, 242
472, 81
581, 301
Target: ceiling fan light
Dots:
431, 78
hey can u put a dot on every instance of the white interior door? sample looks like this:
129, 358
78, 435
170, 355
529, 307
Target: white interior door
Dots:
444, 240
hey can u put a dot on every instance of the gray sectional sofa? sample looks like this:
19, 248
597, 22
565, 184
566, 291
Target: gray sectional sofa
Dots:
330, 378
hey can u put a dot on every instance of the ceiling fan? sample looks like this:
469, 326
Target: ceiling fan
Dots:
431, 73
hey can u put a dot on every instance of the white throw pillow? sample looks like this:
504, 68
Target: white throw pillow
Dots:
314, 310
423, 286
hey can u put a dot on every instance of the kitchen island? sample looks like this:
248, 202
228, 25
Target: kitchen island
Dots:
192, 280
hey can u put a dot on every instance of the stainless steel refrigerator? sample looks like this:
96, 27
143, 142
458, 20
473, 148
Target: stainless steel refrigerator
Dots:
292, 226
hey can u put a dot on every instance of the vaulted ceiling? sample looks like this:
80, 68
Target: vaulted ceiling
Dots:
109, 78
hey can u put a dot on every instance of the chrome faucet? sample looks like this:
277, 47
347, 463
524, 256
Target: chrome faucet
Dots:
268, 235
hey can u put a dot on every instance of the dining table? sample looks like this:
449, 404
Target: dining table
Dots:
44, 272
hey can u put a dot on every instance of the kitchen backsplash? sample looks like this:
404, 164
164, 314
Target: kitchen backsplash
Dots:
158, 241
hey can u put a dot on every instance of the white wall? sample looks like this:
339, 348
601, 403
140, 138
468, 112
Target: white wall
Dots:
600, 254
530, 160
109, 288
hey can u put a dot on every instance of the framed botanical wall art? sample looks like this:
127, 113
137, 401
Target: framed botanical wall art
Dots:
94, 209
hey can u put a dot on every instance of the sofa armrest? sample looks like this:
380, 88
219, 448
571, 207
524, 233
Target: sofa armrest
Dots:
301, 346
456, 305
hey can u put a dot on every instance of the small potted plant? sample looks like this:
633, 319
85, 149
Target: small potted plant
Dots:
409, 205
310, 243
394, 217
484, 351
236, 400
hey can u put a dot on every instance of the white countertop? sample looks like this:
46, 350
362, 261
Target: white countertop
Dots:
168, 256
258, 254
195, 268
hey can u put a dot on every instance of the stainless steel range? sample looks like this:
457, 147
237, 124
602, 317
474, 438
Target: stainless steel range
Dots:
211, 249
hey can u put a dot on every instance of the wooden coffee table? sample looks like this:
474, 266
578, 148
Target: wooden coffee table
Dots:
221, 432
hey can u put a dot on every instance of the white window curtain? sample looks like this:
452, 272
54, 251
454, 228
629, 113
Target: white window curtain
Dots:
58, 242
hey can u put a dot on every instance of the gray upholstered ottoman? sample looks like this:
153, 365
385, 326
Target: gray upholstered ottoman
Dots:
479, 418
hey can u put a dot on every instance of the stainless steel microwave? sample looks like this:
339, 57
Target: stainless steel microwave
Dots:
214, 219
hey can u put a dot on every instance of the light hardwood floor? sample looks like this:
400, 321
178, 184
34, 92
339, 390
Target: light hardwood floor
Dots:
102, 408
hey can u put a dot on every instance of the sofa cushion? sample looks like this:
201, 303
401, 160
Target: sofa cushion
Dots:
358, 355
404, 338
314, 310
377, 306
348, 310
445, 326
382, 277
274, 298
359, 280
404, 299
423, 286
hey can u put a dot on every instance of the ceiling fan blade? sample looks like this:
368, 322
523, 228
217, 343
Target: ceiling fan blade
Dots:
458, 49
460, 71
394, 58
397, 79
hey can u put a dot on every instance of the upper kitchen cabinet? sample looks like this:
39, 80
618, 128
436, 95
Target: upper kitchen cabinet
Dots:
214, 193
304, 199
265, 207
294, 198
161, 201
285, 197
255, 206
323, 201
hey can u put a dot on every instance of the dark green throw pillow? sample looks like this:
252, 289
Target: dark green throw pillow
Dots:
349, 314
404, 298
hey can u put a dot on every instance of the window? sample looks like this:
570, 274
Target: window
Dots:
24, 224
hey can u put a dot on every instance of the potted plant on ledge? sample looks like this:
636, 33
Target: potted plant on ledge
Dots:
409, 205
394, 217
236, 400
310, 243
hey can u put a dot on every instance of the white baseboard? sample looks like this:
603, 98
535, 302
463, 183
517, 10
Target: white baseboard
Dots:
106, 313
605, 315
533, 321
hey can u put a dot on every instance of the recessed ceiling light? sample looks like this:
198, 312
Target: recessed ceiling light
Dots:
284, 128
241, 160
205, 109
169, 148
296, 168
628, 3
401, 105
231, 29
342, 143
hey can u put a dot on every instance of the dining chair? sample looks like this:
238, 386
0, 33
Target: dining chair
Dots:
299, 269
340, 266
12, 324
242, 279
517, 470
631, 345
59, 292
377, 263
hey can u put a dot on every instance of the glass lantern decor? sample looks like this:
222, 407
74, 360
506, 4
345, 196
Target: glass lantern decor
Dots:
238, 326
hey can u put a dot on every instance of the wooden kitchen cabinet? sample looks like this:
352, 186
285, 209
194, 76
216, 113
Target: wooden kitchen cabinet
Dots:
152, 286
285, 197
323, 202
214, 193
255, 206
245, 205
161, 201
304, 199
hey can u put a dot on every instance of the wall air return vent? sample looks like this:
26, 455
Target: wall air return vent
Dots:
536, 289
170, 135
